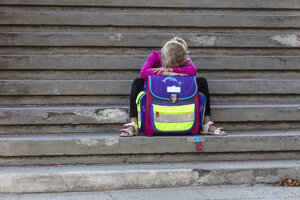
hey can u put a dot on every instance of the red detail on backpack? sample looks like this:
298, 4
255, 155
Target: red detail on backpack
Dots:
157, 114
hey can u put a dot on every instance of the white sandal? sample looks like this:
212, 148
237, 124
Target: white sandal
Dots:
218, 131
127, 132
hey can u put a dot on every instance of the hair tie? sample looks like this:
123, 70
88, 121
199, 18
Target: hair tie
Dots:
176, 41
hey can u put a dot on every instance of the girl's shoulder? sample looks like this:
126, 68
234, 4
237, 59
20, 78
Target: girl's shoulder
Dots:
155, 56
156, 53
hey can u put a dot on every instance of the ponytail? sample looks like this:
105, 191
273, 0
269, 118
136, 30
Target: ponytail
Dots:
181, 41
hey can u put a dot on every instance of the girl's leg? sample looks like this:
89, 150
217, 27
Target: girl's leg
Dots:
203, 88
136, 88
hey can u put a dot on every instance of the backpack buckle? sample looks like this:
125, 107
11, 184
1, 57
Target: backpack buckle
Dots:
173, 98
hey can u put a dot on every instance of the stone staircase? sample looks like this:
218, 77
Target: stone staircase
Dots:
66, 68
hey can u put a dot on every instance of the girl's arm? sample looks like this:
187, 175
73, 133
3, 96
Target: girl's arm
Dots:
188, 69
152, 61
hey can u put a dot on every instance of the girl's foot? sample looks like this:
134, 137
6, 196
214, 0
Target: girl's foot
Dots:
210, 129
130, 129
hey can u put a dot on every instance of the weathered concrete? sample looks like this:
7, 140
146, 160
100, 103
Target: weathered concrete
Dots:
66, 100
99, 144
61, 115
148, 19
154, 40
94, 181
104, 100
221, 192
115, 127
259, 41
69, 115
61, 128
135, 62
132, 74
123, 87
146, 158
267, 4
112, 177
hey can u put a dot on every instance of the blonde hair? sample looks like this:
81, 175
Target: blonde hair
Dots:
174, 53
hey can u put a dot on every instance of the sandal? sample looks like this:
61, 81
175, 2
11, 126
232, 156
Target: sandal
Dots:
205, 131
126, 132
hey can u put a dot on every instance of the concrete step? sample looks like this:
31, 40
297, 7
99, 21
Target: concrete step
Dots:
45, 149
77, 115
132, 74
114, 128
134, 62
148, 10
155, 40
123, 87
147, 29
109, 100
134, 18
116, 177
219, 192
73, 50
254, 4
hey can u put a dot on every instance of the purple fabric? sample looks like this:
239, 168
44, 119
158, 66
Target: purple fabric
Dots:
160, 96
159, 86
143, 111
202, 103
157, 101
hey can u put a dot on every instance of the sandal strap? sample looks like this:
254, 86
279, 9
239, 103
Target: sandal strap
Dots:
132, 124
218, 131
207, 125
128, 131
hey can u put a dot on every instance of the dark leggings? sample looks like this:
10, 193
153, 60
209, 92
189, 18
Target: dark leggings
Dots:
138, 84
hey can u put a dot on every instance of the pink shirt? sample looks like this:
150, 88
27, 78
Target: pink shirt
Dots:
154, 61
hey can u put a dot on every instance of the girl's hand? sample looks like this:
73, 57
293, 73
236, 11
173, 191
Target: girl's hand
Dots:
172, 74
162, 69
159, 70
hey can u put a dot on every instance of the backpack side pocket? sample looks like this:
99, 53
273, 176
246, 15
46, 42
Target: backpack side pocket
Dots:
141, 108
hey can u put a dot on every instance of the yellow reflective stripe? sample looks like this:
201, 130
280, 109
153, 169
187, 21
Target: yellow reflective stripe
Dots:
183, 109
183, 126
139, 120
170, 118
139, 96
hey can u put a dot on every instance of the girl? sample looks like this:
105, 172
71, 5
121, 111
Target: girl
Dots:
172, 60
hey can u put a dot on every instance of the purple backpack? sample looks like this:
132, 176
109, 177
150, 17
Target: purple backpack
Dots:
170, 104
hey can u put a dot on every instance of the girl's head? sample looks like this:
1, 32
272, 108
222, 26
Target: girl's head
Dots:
173, 53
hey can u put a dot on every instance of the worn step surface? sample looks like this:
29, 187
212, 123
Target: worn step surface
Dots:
119, 114
132, 74
123, 87
66, 69
219, 192
134, 62
110, 148
95, 119
113, 177
134, 18
154, 40
254, 4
